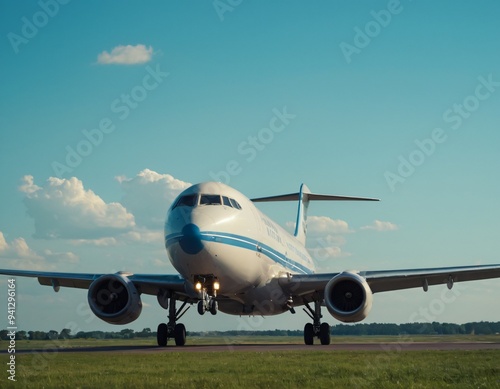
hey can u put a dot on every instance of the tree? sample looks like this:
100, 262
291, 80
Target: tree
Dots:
52, 335
127, 333
65, 333
145, 333
21, 335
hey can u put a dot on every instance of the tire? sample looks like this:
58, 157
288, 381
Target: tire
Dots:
213, 307
201, 307
324, 334
309, 334
161, 335
180, 334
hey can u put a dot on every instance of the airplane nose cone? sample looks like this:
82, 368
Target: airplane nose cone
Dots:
191, 239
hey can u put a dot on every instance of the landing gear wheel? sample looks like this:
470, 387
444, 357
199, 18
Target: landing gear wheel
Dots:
172, 329
324, 334
162, 335
213, 307
180, 334
201, 307
309, 334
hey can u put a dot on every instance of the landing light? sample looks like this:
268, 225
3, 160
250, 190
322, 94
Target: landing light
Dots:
216, 285
198, 286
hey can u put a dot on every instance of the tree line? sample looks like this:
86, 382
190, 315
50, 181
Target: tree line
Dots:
434, 328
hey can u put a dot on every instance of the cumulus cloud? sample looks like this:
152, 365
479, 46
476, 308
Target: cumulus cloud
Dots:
378, 225
138, 235
324, 224
60, 257
325, 237
126, 55
98, 242
18, 248
324, 246
17, 254
148, 196
145, 236
63, 208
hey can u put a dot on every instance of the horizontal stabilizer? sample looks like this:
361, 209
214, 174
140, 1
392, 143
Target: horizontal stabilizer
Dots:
303, 197
311, 196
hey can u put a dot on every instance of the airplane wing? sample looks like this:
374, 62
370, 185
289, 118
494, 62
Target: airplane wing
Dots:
298, 285
146, 283
303, 285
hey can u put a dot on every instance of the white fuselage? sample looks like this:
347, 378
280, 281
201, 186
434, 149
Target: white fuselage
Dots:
213, 229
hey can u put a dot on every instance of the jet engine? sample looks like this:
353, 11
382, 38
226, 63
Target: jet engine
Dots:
348, 297
115, 299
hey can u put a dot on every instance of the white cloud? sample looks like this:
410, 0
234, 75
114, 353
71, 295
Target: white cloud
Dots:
145, 236
28, 185
63, 208
327, 245
325, 237
18, 248
3, 243
126, 55
100, 242
327, 252
378, 225
18, 255
138, 235
148, 196
324, 224
66, 257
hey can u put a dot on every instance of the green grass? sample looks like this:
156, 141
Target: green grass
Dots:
270, 369
210, 340
290, 369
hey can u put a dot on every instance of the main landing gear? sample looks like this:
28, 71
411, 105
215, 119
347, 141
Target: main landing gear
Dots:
172, 329
316, 328
207, 286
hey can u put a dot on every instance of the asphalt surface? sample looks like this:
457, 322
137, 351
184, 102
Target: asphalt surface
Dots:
389, 347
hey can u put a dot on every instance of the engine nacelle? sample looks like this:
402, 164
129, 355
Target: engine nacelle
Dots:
348, 297
114, 299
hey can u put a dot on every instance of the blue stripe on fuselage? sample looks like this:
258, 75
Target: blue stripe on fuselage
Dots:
248, 244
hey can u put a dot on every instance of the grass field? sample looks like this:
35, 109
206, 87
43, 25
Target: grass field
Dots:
269, 369
254, 339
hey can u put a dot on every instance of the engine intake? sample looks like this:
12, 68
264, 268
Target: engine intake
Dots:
115, 299
348, 297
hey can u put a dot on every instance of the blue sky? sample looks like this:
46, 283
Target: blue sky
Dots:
396, 100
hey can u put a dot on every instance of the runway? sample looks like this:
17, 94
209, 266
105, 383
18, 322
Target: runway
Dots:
380, 347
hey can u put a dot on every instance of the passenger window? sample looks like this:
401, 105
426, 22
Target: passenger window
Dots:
210, 200
187, 201
226, 201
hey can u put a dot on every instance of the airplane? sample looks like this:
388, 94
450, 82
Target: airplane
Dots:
233, 258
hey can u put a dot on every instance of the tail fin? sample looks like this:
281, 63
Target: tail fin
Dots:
304, 196
301, 223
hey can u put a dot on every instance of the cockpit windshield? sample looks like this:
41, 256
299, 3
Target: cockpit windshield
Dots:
193, 200
187, 201
206, 199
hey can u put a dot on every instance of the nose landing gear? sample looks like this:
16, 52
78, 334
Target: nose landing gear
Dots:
207, 286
